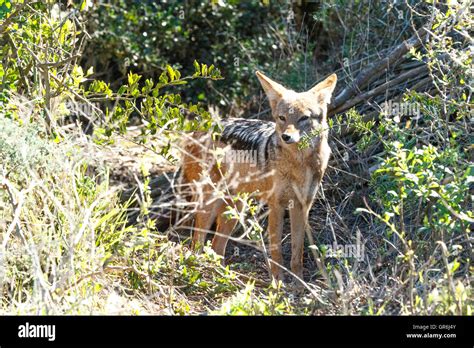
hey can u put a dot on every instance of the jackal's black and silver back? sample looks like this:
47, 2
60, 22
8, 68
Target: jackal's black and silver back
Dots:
251, 135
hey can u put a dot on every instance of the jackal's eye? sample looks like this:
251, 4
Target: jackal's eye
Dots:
304, 119
282, 118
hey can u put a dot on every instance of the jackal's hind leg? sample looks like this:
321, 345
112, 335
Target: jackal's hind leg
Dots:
203, 221
225, 226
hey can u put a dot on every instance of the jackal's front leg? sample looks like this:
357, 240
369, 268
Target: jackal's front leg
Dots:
299, 221
275, 229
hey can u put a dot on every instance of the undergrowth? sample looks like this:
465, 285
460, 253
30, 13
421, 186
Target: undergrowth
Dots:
68, 247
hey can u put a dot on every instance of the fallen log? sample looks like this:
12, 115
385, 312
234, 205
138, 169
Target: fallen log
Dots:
354, 93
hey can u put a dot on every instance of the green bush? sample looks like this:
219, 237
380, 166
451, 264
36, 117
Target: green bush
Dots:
238, 37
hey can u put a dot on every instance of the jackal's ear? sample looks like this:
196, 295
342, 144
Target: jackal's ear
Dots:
324, 89
273, 89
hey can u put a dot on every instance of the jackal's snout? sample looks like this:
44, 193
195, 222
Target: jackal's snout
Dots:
291, 135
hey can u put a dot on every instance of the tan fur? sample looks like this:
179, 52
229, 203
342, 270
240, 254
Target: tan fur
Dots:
290, 180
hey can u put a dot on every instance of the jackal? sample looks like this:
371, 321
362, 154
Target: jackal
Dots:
283, 173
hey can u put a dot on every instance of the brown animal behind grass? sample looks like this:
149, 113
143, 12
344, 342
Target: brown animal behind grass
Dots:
282, 163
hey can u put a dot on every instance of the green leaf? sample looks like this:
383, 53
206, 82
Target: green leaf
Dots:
454, 266
204, 69
171, 73
84, 5
197, 68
